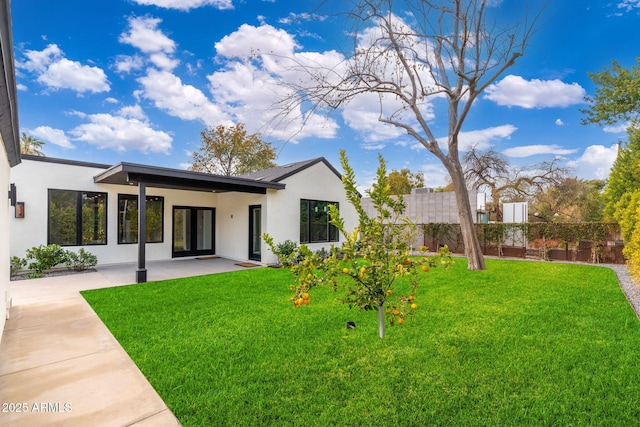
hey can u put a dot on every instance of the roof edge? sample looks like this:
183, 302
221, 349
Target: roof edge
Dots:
65, 161
8, 95
307, 165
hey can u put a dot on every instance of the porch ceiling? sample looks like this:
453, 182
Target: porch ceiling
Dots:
153, 176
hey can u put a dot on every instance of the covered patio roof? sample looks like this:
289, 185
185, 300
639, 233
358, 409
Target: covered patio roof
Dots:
154, 176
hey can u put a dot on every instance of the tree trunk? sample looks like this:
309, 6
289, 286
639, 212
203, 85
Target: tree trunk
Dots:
472, 247
381, 320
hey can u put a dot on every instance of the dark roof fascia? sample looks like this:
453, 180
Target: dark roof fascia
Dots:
65, 161
131, 173
8, 94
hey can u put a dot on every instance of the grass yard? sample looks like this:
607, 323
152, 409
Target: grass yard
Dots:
523, 343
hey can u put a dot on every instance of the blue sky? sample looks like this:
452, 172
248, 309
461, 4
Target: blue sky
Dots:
138, 80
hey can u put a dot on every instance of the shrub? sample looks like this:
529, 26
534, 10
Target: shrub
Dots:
17, 264
287, 252
81, 261
45, 258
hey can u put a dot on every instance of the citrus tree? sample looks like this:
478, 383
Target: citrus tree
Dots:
374, 266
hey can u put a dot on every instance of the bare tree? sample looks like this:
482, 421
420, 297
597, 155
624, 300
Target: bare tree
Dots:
490, 170
445, 51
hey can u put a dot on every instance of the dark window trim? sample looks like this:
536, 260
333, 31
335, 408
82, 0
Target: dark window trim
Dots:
329, 225
135, 196
79, 194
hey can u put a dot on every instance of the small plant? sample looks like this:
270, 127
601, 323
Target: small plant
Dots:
372, 257
287, 252
81, 261
17, 264
45, 258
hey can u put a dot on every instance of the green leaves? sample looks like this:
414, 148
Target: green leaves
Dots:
617, 96
374, 264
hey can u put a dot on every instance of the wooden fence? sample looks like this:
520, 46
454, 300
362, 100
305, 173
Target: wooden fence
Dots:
582, 242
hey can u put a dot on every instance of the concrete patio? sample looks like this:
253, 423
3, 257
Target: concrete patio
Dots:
60, 365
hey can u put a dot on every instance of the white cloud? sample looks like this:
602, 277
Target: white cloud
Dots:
621, 128
595, 162
187, 4
480, 139
298, 17
126, 64
559, 122
629, 5
121, 133
57, 72
259, 66
181, 100
144, 35
534, 150
516, 91
249, 41
54, 136
362, 114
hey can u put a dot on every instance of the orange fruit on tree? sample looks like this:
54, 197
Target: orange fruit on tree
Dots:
305, 296
309, 276
411, 298
306, 302
414, 306
400, 321
396, 311
345, 270
299, 301
425, 268
389, 292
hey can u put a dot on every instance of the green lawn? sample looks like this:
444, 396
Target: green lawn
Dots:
523, 343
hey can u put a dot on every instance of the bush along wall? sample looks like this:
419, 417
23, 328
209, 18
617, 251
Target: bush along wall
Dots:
40, 260
593, 242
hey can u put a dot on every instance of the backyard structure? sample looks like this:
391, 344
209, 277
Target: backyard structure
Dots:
9, 152
187, 214
424, 206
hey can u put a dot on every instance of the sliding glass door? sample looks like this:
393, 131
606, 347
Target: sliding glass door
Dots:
193, 231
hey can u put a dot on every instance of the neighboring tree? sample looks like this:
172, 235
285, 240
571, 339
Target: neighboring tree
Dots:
230, 151
617, 101
617, 98
403, 181
571, 200
446, 51
490, 170
625, 173
31, 145
373, 265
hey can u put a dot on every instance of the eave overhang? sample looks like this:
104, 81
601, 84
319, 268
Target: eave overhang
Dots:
153, 176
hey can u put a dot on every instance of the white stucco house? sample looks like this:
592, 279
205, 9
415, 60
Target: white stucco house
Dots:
187, 214
9, 153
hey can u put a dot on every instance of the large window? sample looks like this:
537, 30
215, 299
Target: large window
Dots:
77, 218
314, 222
128, 219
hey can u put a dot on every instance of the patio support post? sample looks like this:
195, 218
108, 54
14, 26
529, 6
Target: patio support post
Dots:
141, 272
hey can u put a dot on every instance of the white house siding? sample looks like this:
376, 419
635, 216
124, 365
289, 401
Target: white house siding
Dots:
232, 223
280, 210
6, 211
35, 178
316, 182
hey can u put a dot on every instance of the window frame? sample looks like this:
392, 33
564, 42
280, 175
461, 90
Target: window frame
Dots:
79, 196
306, 227
135, 198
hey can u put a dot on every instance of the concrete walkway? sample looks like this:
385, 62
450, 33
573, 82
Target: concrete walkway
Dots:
59, 364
